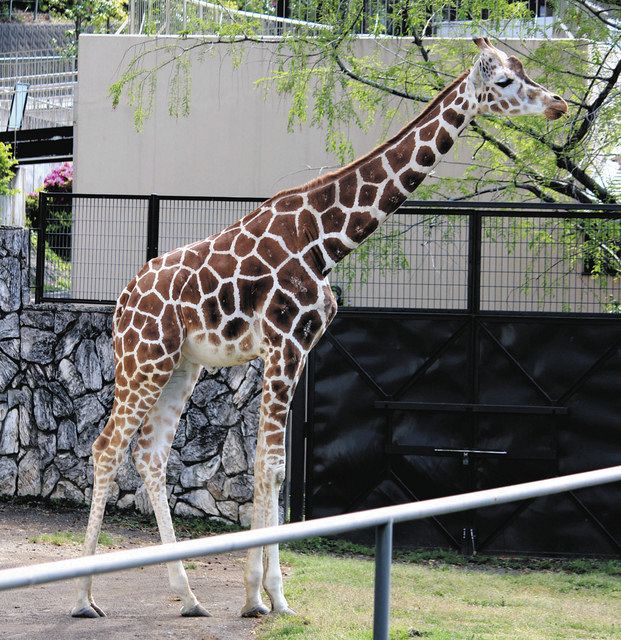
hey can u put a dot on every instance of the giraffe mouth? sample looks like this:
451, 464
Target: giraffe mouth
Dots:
555, 111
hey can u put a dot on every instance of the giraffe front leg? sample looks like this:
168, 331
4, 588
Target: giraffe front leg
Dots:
272, 574
263, 564
253, 571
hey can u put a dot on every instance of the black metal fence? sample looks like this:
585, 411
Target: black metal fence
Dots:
92, 245
430, 255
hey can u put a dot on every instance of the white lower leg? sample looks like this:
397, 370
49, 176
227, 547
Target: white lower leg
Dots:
272, 580
272, 577
98, 505
176, 573
253, 571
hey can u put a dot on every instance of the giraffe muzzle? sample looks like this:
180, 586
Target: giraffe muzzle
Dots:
556, 108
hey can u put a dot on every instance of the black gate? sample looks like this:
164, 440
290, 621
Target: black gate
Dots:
404, 405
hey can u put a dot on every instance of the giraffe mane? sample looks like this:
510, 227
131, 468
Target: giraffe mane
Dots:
333, 175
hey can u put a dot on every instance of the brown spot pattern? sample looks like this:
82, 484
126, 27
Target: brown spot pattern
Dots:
444, 141
427, 133
288, 203
348, 185
373, 171
410, 179
391, 198
361, 225
333, 220
453, 117
368, 192
425, 156
322, 198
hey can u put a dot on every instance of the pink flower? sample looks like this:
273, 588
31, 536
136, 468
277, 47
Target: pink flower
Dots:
60, 179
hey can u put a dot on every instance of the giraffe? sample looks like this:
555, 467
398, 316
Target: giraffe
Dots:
260, 288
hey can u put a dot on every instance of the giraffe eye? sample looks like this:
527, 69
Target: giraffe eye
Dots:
505, 83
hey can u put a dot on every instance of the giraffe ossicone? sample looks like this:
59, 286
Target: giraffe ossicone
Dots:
260, 288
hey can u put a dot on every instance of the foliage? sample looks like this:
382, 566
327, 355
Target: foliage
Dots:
59, 180
32, 209
7, 162
96, 15
335, 81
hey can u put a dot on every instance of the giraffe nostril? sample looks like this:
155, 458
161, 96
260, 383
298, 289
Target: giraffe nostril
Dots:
557, 98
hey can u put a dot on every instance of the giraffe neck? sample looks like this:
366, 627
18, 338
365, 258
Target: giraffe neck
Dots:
349, 204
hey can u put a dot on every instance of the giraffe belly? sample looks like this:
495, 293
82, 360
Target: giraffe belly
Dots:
199, 349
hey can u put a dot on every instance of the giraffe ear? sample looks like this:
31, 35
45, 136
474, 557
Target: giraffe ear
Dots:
484, 44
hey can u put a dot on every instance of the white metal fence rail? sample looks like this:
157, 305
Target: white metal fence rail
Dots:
51, 81
381, 519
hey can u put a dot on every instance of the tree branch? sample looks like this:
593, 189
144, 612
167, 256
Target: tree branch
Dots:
592, 109
376, 85
598, 10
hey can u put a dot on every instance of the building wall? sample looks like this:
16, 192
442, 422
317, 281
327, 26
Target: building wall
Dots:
234, 142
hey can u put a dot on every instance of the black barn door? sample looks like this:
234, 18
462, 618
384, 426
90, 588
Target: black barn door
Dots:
402, 406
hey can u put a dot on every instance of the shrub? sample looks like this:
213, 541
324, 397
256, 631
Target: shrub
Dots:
7, 162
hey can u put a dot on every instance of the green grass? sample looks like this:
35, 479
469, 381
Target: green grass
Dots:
184, 527
433, 557
439, 600
61, 538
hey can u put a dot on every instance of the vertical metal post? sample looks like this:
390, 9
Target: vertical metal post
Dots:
383, 560
41, 229
474, 261
474, 306
185, 15
153, 227
283, 9
297, 450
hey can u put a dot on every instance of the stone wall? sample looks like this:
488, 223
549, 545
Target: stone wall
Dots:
56, 390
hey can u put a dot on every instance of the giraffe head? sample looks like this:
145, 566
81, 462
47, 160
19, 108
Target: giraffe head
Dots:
502, 86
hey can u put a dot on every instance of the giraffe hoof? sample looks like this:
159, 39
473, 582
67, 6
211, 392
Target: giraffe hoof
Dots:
255, 612
93, 611
284, 612
196, 611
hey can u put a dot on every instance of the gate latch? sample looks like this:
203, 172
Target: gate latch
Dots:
465, 453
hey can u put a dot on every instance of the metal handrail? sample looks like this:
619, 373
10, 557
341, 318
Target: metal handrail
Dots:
382, 519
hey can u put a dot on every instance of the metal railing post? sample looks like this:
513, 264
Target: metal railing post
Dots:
383, 561
153, 227
474, 260
41, 229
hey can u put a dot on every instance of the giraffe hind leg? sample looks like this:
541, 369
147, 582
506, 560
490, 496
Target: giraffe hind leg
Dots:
108, 452
151, 455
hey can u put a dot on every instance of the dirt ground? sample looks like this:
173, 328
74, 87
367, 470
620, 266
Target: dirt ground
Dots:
138, 603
